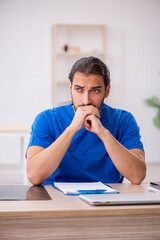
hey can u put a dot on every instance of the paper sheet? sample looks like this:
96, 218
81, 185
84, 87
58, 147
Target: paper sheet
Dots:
76, 188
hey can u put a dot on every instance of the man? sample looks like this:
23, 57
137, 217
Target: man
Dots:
86, 140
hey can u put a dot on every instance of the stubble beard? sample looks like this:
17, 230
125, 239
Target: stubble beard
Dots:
75, 108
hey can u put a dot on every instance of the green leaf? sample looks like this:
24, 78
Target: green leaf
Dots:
156, 120
153, 102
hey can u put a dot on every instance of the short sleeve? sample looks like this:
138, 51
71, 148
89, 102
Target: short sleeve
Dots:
42, 134
130, 132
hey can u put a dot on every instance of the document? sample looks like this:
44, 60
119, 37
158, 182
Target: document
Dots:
154, 188
155, 183
72, 188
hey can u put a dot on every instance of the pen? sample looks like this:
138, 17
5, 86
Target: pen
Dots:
96, 191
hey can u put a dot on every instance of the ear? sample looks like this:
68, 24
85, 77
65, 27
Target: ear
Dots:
107, 90
70, 87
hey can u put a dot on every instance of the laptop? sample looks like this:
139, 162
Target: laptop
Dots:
121, 199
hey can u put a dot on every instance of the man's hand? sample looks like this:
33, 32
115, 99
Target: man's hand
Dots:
81, 114
93, 124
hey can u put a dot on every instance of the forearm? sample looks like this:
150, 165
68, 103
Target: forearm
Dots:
130, 165
42, 164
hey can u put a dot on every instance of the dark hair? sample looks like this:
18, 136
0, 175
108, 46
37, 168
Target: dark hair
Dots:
91, 65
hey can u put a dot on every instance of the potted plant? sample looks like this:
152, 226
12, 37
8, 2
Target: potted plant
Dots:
154, 102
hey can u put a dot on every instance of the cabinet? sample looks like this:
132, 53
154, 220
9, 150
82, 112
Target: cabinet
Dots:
69, 43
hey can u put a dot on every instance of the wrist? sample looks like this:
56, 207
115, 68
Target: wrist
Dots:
102, 133
71, 130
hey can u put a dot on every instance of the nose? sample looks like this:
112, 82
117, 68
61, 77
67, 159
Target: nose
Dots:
87, 98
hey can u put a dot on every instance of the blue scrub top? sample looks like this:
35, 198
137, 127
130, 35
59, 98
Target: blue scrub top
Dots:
86, 160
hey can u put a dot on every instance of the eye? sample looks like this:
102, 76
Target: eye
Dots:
95, 90
78, 89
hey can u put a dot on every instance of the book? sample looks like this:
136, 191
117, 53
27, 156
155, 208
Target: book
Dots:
72, 188
155, 183
154, 188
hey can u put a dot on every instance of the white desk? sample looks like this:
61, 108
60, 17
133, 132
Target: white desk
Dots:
68, 217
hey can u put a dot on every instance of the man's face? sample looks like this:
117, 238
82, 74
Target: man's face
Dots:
88, 90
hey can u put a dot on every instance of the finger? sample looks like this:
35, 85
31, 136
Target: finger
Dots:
87, 122
90, 110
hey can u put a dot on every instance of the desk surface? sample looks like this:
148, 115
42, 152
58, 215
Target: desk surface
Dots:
62, 205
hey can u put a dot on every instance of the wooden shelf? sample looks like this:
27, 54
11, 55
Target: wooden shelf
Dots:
14, 129
82, 40
78, 54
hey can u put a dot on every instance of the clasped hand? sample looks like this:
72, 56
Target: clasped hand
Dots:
88, 117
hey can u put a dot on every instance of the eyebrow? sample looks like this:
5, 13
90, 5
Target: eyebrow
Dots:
95, 87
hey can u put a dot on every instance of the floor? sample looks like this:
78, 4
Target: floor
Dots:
14, 175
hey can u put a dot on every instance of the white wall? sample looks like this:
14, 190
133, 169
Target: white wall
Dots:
25, 56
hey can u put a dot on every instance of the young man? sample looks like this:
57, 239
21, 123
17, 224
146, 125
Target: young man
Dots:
86, 140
